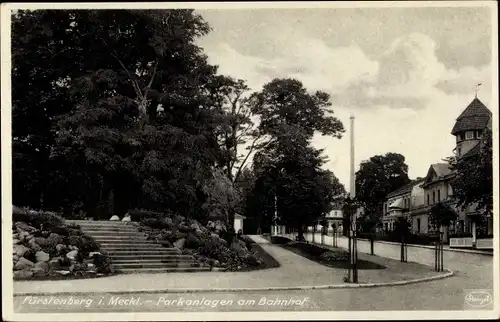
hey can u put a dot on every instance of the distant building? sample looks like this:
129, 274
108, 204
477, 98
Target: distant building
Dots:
415, 200
399, 203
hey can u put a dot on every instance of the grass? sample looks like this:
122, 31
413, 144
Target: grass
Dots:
335, 258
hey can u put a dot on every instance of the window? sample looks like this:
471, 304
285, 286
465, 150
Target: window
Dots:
478, 133
439, 195
418, 225
433, 197
459, 151
428, 199
469, 135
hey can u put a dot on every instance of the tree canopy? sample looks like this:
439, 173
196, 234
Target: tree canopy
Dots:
473, 177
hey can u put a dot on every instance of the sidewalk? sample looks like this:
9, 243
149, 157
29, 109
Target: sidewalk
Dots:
294, 272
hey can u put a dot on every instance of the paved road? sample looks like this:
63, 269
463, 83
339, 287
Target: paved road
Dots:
446, 294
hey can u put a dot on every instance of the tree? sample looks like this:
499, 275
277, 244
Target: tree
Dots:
289, 177
377, 177
441, 216
473, 177
122, 110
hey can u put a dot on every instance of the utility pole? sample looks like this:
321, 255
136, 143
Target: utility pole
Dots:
352, 208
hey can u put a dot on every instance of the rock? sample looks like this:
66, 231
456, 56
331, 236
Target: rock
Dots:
114, 218
15, 241
91, 254
55, 263
23, 274
23, 263
198, 232
34, 246
41, 269
42, 256
91, 267
216, 263
15, 235
127, 218
78, 267
21, 250
180, 243
41, 241
195, 226
46, 233
23, 235
15, 258
72, 254
24, 226
63, 272
29, 237
60, 248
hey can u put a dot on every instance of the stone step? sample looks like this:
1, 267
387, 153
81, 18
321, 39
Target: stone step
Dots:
140, 249
138, 253
156, 265
151, 256
154, 261
120, 238
163, 270
127, 242
110, 230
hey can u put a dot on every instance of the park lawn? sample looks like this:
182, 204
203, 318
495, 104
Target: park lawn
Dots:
335, 258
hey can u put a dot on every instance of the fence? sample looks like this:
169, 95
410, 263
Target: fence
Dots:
414, 253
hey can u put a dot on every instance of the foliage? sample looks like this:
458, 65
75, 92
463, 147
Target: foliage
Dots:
473, 177
442, 215
379, 176
289, 180
35, 218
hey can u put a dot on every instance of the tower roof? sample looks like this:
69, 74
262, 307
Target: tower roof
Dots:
475, 117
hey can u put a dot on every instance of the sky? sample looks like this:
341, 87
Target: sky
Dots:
405, 74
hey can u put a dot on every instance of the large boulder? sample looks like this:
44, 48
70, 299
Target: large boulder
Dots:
72, 254
42, 256
114, 218
41, 269
127, 218
21, 250
34, 246
23, 263
23, 274
180, 243
62, 272
24, 226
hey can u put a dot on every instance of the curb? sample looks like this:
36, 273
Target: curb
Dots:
448, 273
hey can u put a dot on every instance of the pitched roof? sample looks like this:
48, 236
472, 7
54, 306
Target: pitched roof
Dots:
406, 188
441, 169
475, 117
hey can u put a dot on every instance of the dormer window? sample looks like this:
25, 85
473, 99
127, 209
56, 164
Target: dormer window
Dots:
469, 135
460, 137
478, 134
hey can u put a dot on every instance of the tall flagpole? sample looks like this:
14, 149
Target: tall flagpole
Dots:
353, 210
352, 172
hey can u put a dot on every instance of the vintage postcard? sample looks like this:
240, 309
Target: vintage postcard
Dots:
250, 161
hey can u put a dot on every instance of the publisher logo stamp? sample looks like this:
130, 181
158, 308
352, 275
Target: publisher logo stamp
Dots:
477, 299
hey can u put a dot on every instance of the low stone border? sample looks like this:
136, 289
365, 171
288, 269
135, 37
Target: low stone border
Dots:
448, 273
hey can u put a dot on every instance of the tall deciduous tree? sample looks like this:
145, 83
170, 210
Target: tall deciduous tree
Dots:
121, 109
377, 177
287, 168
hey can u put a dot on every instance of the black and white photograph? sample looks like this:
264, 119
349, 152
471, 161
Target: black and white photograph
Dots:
250, 161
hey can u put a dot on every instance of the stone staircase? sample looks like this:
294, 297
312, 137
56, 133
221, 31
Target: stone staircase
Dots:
131, 252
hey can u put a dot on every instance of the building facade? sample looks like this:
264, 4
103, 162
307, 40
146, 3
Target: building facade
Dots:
436, 186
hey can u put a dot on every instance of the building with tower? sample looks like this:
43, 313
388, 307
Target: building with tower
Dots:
415, 200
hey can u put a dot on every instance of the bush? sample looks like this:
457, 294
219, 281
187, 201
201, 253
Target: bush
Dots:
37, 219
157, 222
335, 256
280, 240
138, 215
193, 242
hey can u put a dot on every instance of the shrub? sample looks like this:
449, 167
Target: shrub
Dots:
335, 256
139, 214
157, 222
37, 219
193, 242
